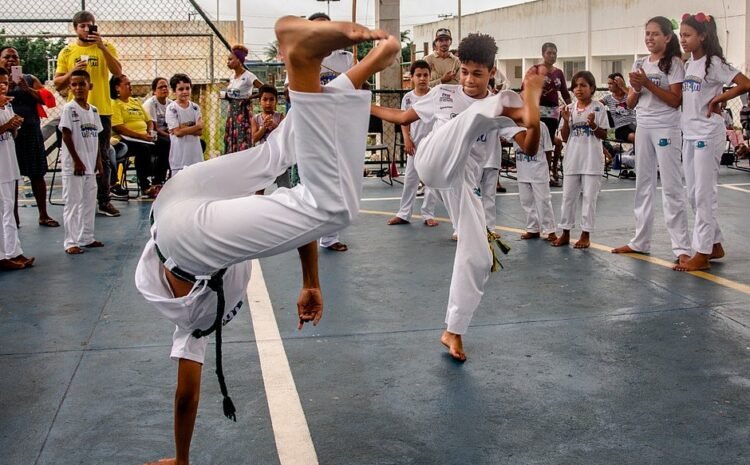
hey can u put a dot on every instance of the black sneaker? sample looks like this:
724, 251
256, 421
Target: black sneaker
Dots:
119, 193
108, 209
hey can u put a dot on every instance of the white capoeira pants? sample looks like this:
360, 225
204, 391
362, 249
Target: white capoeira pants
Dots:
536, 201
10, 245
79, 194
700, 162
409, 194
660, 149
488, 188
208, 218
329, 239
444, 163
580, 186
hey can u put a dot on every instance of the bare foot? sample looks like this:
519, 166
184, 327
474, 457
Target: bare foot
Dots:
75, 250
551, 237
300, 39
396, 220
583, 242
623, 249
530, 235
163, 462
717, 252
698, 262
454, 344
564, 239
431, 222
683, 259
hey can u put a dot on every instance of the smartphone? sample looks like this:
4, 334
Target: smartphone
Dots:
93, 28
16, 73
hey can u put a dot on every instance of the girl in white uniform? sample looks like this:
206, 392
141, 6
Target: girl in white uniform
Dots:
446, 161
706, 73
584, 127
413, 135
656, 94
11, 254
207, 222
532, 172
185, 124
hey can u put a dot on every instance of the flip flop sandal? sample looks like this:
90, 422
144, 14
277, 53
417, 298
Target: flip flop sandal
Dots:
397, 220
75, 250
338, 247
49, 222
94, 245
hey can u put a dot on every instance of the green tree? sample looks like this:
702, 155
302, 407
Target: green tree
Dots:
34, 52
271, 51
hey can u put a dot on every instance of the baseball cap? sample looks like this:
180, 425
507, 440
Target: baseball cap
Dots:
443, 32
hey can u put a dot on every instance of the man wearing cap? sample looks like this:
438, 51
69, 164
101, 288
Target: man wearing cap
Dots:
444, 64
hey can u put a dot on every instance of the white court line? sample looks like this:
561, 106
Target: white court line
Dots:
290, 430
733, 186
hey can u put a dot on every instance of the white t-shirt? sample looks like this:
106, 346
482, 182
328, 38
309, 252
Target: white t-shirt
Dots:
338, 62
418, 129
157, 112
8, 163
534, 168
241, 87
186, 150
443, 103
651, 111
584, 153
85, 126
697, 91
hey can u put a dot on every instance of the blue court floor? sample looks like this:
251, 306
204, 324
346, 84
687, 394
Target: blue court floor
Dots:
575, 357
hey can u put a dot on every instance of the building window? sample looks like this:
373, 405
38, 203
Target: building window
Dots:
518, 72
570, 67
611, 66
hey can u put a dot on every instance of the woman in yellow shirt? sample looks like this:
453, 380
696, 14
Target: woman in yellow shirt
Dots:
131, 123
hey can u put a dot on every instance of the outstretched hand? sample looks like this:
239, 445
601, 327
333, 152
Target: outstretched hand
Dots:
533, 83
309, 306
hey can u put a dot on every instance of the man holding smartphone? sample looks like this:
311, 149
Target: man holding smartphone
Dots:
89, 52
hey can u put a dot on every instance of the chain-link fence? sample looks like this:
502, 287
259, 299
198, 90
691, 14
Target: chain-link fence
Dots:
152, 39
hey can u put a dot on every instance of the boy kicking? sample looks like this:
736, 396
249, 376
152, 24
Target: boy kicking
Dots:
207, 222
467, 120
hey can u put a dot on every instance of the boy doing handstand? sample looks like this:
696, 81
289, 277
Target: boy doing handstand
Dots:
207, 222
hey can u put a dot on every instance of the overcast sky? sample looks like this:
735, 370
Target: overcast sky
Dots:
259, 16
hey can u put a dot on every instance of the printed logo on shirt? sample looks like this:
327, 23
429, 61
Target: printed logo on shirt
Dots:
89, 130
74, 117
692, 84
92, 61
325, 78
6, 136
523, 157
407, 102
453, 115
445, 97
581, 129
229, 316
655, 79
482, 138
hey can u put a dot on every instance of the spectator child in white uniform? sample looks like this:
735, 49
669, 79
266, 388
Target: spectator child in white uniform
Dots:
706, 73
80, 125
490, 173
532, 173
185, 125
656, 94
445, 161
11, 254
584, 127
208, 222
413, 135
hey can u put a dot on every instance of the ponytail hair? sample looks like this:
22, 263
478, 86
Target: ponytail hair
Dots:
673, 46
706, 25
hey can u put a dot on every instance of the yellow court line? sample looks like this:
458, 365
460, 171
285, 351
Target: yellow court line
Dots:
734, 285
734, 188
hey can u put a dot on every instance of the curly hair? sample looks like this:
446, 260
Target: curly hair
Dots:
478, 48
711, 45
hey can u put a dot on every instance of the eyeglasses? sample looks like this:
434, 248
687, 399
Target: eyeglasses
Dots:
699, 17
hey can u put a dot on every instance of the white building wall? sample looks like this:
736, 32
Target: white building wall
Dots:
616, 30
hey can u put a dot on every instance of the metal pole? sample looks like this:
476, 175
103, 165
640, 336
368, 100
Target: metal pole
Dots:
459, 20
354, 20
239, 23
